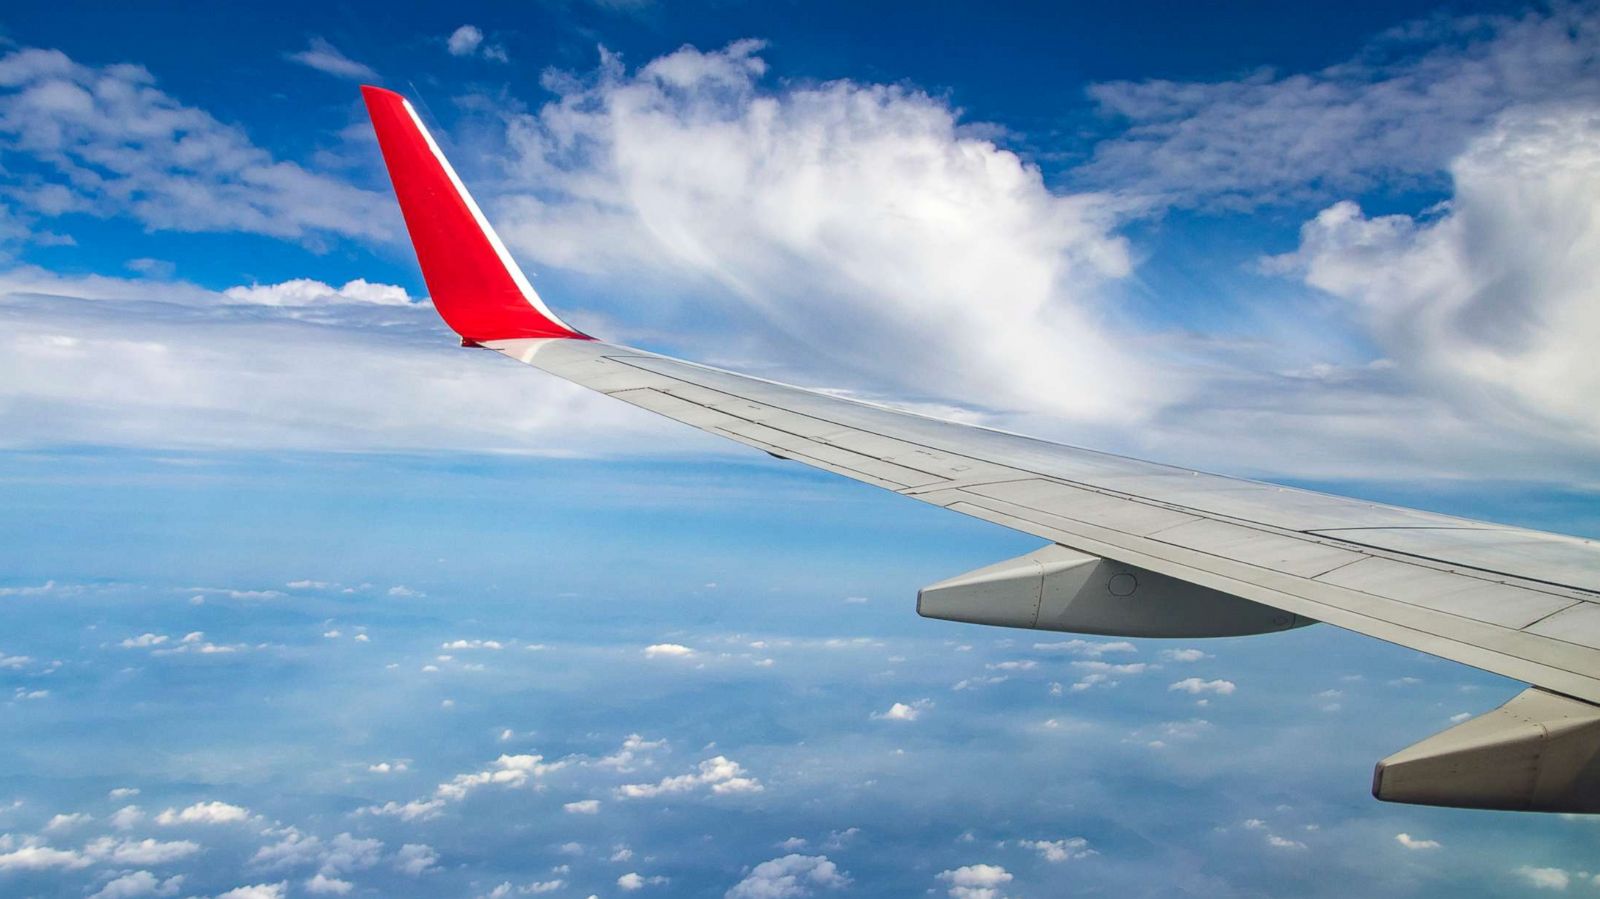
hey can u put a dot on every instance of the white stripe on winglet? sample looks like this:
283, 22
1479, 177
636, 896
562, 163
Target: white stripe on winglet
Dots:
517, 277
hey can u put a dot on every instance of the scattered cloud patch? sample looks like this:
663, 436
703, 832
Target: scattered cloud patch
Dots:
205, 813
635, 881
901, 711
1410, 842
976, 881
721, 775
790, 877
308, 292
667, 651
1059, 850
1196, 686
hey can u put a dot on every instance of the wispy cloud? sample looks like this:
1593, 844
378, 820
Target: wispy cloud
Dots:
109, 142
325, 57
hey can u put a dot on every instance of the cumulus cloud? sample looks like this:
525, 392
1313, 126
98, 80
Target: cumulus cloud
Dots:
342, 854
307, 292
901, 711
667, 651
635, 881
33, 854
1411, 842
1196, 686
205, 813
838, 214
1090, 648
720, 774
325, 57
464, 40
1491, 299
1059, 850
582, 807
322, 884
136, 884
976, 881
507, 770
67, 821
1395, 115
257, 891
510, 771
416, 859
789, 877
109, 142
468, 41
1544, 878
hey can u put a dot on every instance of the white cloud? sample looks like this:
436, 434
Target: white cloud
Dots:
631, 754
342, 854
1396, 114
510, 771
205, 813
901, 711
123, 793
387, 767
1196, 686
136, 884
1410, 842
507, 770
116, 145
1090, 648
1278, 842
1490, 301
635, 881
257, 891
839, 214
14, 662
130, 368
140, 852
127, 817
307, 292
1545, 878
416, 859
464, 41
1060, 850
667, 650
144, 641
976, 881
33, 855
67, 821
322, 884
582, 807
325, 57
721, 774
1183, 655
415, 810
789, 877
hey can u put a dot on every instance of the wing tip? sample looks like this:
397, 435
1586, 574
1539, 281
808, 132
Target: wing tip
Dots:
476, 286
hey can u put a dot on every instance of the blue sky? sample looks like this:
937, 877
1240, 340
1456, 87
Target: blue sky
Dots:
305, 600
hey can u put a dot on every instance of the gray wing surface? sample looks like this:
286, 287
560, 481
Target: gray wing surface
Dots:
1515, 602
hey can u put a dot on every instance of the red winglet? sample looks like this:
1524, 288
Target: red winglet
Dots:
476, 286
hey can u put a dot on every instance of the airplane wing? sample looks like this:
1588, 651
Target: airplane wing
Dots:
1136, 548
